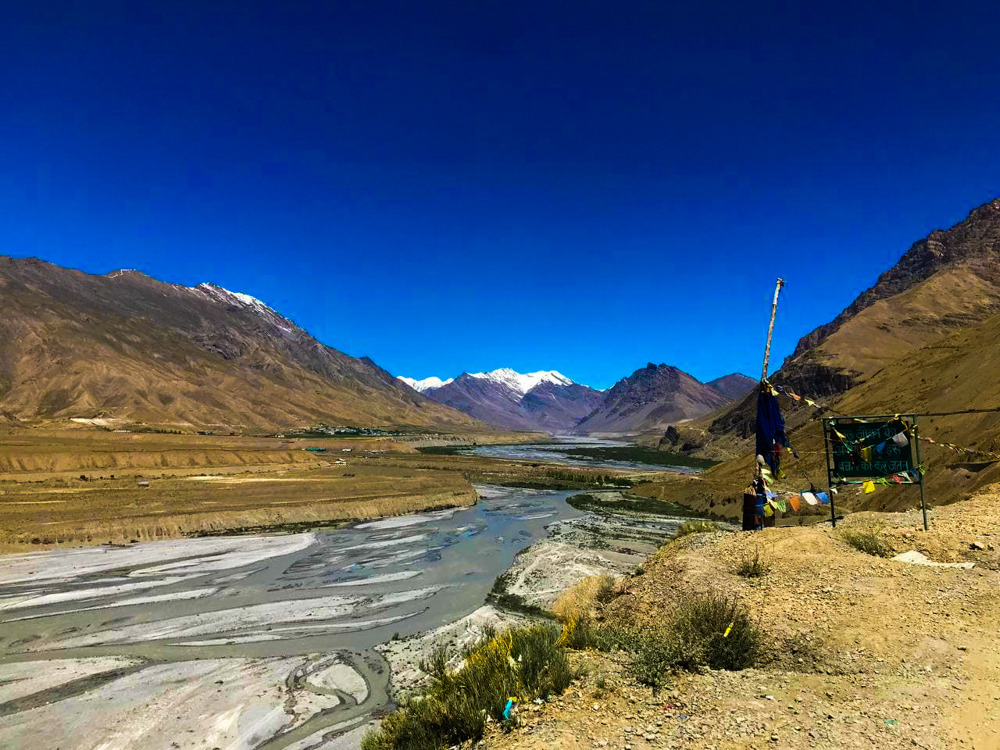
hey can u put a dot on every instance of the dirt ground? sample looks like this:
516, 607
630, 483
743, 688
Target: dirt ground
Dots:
864, 652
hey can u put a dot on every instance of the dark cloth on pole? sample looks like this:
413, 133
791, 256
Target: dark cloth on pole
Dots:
770, 429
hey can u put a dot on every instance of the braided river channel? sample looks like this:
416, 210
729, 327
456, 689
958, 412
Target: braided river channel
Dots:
245, 642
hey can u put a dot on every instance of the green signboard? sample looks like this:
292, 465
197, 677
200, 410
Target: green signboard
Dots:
872, 449
869, 450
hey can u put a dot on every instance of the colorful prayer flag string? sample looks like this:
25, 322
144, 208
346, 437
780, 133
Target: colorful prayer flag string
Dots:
950, 446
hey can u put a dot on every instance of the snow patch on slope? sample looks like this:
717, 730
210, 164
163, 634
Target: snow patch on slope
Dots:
522, 382
238, 299
244, 299
423, 385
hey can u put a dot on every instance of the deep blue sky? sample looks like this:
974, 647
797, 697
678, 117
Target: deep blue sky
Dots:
446, 186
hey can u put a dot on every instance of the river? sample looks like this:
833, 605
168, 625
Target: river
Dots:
556, 453
261, 642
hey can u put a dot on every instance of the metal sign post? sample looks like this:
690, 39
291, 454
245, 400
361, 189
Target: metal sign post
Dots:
829, 479
871, 447
916, 445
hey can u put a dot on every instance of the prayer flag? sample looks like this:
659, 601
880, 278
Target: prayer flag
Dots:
869, 487
794, 501
821, 496
809, 498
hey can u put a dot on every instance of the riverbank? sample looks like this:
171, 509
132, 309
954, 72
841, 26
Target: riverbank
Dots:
614, 541
273, 641
862, 651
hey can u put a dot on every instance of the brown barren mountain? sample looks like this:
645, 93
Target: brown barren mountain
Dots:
945, 282
650, 399
732, 386
128, 347
953, 373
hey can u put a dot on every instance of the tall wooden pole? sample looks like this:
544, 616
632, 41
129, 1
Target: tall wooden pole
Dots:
770, 328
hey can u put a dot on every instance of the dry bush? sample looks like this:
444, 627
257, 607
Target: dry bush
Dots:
526, 661
696, 527
870, 540
583, 599
753, 564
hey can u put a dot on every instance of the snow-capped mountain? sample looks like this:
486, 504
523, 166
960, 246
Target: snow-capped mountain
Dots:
219, 294
537, 401
423, 385
522, 383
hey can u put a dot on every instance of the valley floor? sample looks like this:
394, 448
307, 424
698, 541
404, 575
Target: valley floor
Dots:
85, 487
864, 652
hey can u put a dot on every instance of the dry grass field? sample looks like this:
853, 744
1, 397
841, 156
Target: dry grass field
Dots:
76, 487
42, 454
70, 512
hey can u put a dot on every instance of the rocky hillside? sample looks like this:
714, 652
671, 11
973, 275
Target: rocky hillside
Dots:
127, 347
946, 282
973, 243
732, 386
649, 400
541, 401
859, 652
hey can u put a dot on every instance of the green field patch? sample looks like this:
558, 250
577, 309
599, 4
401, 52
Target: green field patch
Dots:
637, 454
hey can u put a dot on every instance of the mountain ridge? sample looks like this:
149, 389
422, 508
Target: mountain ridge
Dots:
649, 400
127, 346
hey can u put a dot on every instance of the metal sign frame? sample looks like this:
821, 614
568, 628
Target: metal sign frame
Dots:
829, 422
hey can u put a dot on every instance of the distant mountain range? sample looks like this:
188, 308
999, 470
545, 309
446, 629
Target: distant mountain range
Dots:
125, 346
654, 397
544, 400
647, 401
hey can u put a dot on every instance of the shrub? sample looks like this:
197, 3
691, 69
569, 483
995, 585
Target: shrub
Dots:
695, 527
582, 599
705, 631
753, 565
605, 589
526, 662
868, 540
581, 632
721, 628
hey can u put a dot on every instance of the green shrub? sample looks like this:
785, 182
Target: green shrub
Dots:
753, 565
526, 662
695, 527
581, 633
705, 631
721, 629
868, 540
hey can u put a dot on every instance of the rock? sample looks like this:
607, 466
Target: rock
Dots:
977, 545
